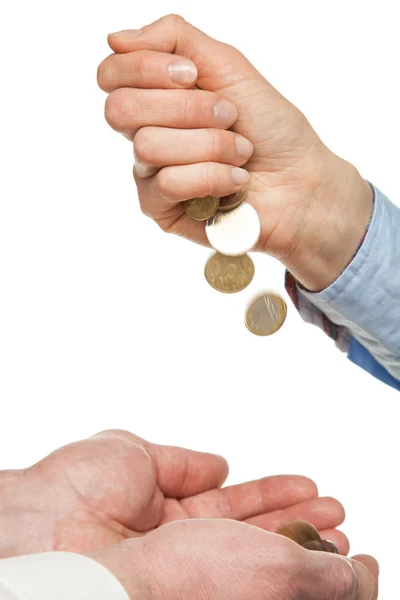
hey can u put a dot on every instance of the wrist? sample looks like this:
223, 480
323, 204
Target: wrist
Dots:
338, 220
9, 482
126, 561
24, 530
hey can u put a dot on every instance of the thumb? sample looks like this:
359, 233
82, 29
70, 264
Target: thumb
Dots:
339, 578
367, 568
182, 473
219, 65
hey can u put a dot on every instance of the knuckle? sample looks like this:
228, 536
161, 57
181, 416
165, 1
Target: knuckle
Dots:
216, 144
105, 74
174, 20
188, 108
115, 108
165, 181
142, 69
212, 179
142, 143
230, 49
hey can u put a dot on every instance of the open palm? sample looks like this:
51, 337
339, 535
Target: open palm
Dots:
115, 486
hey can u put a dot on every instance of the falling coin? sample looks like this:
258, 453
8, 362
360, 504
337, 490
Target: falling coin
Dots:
230, 202
235, 232
201, 209
266, 314
229, 274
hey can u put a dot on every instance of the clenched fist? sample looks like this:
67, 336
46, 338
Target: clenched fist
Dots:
314, 207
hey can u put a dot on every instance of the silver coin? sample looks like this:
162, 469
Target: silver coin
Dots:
266, 314
235, 232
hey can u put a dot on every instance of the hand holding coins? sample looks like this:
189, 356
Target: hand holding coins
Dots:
307, 536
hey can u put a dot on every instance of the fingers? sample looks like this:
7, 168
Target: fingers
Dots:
172, 34
145, 69
162, 146
127, 110
182, 472
161, 196
162, 190
323, 513
164, 35
373, 567
338, 538
240, 502
332, 577
175, 184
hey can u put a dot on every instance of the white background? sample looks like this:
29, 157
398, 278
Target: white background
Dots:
107, 322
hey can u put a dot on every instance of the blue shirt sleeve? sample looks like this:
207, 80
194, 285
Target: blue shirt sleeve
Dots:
364, 302
364, 359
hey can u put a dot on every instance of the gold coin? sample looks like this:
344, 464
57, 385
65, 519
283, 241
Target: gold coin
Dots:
201, 209
232, 201
314, 545
266, 314
328, 546
229, 274
301, 532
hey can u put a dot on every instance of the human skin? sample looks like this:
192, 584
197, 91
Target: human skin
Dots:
314, 206
115, 486
220, 559
157, 517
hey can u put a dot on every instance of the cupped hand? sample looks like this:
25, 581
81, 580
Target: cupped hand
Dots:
204, 559
314, 207
115, 486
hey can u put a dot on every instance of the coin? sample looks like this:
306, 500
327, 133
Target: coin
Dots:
229, 274
314, 545
307, 536
301, 532
235, 232
266, 314
201, 209
230, 202
329, 547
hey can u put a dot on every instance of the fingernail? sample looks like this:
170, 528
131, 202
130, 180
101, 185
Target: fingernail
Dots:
182, 72
240, 176
225, 112
244, 147
128, 32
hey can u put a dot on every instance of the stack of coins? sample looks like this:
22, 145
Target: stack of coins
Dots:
233, 229
305, 534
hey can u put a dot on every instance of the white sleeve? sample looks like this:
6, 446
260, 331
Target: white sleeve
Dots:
57, 576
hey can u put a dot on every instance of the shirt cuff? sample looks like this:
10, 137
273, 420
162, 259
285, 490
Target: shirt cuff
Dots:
366, 295
58, 575
363, 303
